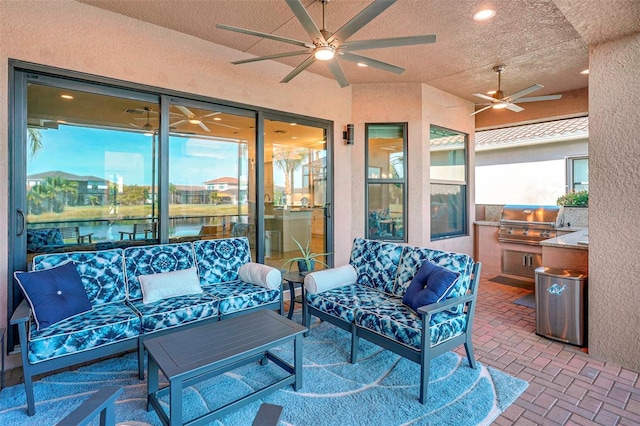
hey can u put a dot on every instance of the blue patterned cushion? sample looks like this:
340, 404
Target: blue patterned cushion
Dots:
412, 259
175, 311
154, 259
219, 260
342, 302
37, 239
398, 322
238, 296
54, 294
376, 263
101, 326
102, 272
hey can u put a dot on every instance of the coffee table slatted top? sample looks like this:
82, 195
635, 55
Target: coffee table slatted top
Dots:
226, 340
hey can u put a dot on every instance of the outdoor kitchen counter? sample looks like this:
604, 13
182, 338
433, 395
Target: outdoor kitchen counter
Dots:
575, 240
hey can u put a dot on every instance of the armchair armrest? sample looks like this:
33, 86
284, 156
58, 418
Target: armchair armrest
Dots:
429, 310
22, 314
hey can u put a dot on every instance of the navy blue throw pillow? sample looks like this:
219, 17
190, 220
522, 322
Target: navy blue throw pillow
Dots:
431, 284
54, 294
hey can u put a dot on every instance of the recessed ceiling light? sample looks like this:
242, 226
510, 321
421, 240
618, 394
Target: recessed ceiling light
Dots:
484, 14
362, 64
294, 137
217, 119
293, 124
584, 71
66, 96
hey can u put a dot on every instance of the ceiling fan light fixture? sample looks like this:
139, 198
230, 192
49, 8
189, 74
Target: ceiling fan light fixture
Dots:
584, 72
499, 105
194, 121
484, 14
324, 53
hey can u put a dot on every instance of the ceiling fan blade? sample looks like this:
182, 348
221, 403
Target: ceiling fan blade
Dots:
135, 125
361, 19
223, 125
264, 35
526, 91
276, 56
204, 126
303, 66
211, 114
177, 123
187, 113
485, 97
338, 74
480, 110
540, 98
305, 19
354, 57
387, 42
514, 107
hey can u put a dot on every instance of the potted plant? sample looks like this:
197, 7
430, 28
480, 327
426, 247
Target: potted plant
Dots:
307, 260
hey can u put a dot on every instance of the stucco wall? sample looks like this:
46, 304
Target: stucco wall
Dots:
614, 201
420, 106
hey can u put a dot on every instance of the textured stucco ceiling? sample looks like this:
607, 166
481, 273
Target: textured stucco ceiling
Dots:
540, 41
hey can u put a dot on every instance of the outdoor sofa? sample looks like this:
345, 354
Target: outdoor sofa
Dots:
415, 301
132, 294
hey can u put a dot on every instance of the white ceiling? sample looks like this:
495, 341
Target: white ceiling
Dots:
540, 41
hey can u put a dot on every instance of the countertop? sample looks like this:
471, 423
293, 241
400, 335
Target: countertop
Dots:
576, 240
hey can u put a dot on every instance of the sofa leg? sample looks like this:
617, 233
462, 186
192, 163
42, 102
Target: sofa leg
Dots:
424, 380
140, 359
355, 340
468, 347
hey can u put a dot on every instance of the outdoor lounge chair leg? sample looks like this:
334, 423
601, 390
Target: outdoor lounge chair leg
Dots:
468, 347
140, 359
424, 379
28, 387
355, 339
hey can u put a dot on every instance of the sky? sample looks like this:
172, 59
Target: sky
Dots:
108, 154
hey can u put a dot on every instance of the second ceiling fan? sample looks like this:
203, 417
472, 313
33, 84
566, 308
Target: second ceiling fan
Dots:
328, 47
500, 99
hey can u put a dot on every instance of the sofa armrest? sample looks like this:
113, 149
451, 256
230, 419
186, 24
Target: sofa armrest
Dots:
429, 310
327, 279
22, 314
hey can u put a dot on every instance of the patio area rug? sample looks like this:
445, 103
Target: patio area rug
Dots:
381, 389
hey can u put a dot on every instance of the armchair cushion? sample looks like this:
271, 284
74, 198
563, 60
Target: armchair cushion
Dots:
169, 284
54, 294
431, 284
259, 274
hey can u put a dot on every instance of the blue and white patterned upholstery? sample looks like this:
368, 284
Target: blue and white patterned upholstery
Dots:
101, 272
342, 302
219, 260
39, 239
172, 311
218, 264
412, 259
376, 263
392, 319
154, 259
238, 296
103, 325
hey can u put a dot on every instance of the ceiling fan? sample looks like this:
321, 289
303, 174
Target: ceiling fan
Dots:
500, 100
328, 46
190, 117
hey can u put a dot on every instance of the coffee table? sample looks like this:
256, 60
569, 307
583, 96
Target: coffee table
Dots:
192, 355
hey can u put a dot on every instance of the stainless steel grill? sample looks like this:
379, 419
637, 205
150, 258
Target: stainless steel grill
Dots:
526, 224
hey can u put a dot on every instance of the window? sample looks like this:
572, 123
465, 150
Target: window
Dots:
577, 174
448, 173
386, 196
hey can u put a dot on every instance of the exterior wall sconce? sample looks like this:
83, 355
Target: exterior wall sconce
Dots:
347, 135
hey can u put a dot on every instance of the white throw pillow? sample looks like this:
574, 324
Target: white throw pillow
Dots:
169, 284
262, 275
326, 279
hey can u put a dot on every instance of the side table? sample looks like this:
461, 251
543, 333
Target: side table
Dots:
293, 278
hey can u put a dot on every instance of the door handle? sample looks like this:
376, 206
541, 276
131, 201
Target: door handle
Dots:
327, 210
524, 260
21, 223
